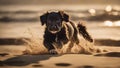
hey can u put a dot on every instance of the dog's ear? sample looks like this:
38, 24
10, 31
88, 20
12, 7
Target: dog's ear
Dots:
65, 16
43, 18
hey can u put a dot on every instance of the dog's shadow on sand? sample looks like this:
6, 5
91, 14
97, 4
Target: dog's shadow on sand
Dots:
24, 60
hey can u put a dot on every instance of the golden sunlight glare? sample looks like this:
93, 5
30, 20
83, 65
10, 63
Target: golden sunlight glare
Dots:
108, 8
108, 23
117, 23
92, 11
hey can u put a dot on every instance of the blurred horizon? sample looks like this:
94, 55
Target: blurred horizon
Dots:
59, 2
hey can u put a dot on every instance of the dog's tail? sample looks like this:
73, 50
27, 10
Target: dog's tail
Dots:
83, 31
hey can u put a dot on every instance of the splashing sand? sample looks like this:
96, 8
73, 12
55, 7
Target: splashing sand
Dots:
34, 45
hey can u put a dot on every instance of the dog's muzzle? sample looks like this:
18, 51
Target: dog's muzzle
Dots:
54, 29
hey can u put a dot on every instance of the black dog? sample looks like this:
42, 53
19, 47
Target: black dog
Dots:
60, 30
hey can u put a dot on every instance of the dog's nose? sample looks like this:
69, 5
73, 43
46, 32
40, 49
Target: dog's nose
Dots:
54, 27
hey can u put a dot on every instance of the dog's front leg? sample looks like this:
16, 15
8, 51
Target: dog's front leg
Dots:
50, 47
58, 44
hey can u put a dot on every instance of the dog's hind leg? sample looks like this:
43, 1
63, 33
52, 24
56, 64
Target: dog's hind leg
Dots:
83, 31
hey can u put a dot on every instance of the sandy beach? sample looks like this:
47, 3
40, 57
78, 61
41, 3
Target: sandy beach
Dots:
11, 54
17, 21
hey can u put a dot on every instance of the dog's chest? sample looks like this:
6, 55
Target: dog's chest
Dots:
66, 34
61, 35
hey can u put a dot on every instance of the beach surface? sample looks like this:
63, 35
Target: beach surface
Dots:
11, 54
18, 22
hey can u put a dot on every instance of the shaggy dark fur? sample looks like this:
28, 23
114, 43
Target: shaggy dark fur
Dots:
60, 30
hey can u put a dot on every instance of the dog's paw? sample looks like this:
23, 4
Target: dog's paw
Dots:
53, 51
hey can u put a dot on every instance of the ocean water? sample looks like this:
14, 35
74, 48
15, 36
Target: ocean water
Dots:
31, 13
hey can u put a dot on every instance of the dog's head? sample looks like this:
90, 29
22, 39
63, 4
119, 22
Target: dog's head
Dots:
54, 20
